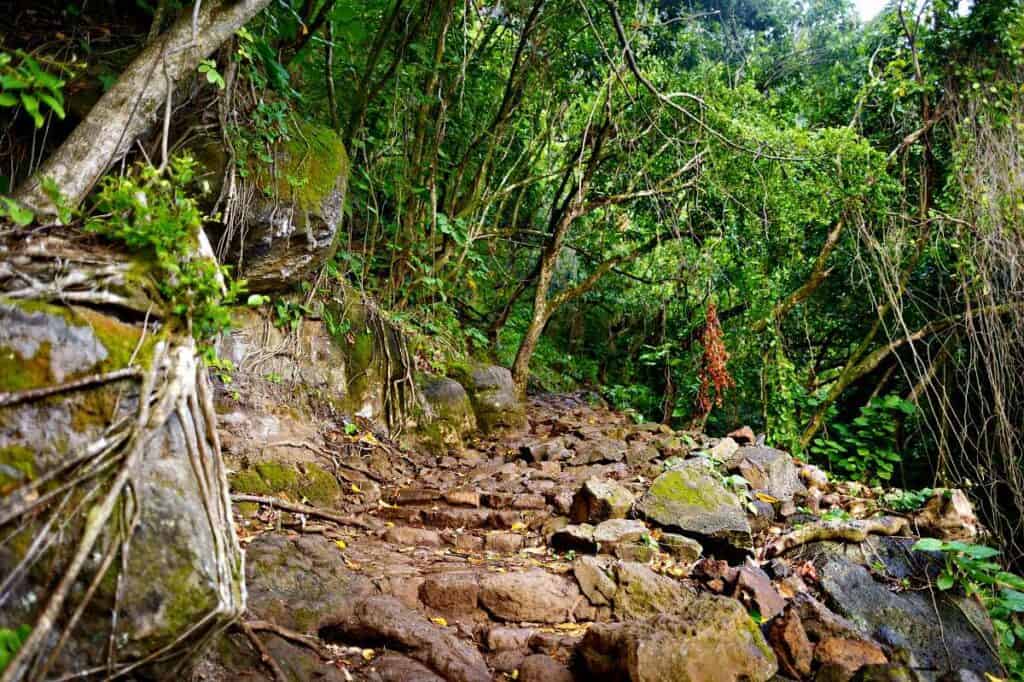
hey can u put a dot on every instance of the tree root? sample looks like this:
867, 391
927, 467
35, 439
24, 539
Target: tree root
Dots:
297, 508
842, 531
265, 656
14, 398
307, 641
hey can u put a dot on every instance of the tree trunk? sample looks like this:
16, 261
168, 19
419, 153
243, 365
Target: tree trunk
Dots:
132, 105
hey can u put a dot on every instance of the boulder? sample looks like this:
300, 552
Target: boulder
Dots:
183, 565
541, 668
709, 639
692, 500
948, 515
768, 470
449, 415
451, 593
743, 435
599, 451
642, 593
614, 532
291, 230
595, 577
681, 548
599, 500
724, 449
531, 596
493, 396
384, 621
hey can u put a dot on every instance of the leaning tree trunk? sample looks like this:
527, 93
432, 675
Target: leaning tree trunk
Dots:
132, 105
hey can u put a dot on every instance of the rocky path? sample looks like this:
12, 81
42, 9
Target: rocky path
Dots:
585, 547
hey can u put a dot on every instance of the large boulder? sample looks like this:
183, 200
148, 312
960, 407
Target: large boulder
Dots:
707, 639
291, 228
449, 417
691, 500
535, 596
493, 395
165, 565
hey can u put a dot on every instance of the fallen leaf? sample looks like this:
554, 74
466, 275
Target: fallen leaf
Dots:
765, 497
356, 489
341, 544
518, 526
368, 654
439, 621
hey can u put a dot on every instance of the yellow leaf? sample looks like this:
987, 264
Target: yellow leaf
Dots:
518, 526
389, 524
992, 678
765, 497
439, 621
341, 544
368, 654
355, 488
385, 505
567, 626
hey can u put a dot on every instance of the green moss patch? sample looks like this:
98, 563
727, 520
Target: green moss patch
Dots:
308, 167
310, 482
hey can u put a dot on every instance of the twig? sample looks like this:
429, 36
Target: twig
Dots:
306, 509
17, 397
292, 636
265, 656
845, 531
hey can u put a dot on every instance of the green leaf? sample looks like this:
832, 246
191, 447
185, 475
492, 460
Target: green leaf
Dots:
945, 581
928, 545
55, 105
8, 100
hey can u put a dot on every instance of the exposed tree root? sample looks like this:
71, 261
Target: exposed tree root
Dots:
843, 531
295, 637
306, 509
265, 656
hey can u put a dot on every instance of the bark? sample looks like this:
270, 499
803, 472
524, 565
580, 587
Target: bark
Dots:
130, 107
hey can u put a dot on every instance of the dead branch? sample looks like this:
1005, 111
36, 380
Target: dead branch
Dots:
842, 531
297, 508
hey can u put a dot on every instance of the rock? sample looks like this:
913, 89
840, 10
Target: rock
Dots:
412, 537
541, 668
286, 238
532, 596
681, 548
724, 449
948, 515
743, 435
392, 667
599, 500
599, 451
451, 593
953, 629
758, 585
462, 497
707, 639
529, 501
449, 414
301, 583
692, 501
501, 638
614, 532
895, 672
760, 515
814, 478
493, 396
232, 658
384, 621
594, 575
768, 470
850, 655
642, 593
507, 543
640, 454
185, 565
792, 647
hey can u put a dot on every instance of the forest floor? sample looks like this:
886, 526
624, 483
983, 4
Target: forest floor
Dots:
548, 555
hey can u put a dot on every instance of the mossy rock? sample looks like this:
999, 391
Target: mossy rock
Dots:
693, 501
492, 393
305, 481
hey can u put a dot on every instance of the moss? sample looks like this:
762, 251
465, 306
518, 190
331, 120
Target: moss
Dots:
690, 487
308, 167
17, 465
120, 339
188, 601
248, 482
318, 486
20, 374
93, 409
247, 509
279, 477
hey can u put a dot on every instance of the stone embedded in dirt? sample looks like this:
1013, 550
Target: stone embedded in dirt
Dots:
463, 497
456, 518
452, 593
640, 455
414, 496
652, 427
681, 548
506, 543
769, 470
758, 585
642, 593
547, 469
392, 667
412, 537
724, 449
848, 654
743, 435
691, 500
384, 621
760, 515
574, 538
534, 596
708, 638
494, 398
896, 672
467, 542
599, 500
948, 515
449, 415
541, 668
529, 501
595, 577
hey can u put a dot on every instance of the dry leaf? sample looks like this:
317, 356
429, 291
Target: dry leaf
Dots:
341, 544
439, 621
368, 654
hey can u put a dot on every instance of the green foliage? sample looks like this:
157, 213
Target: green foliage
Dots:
973, 569
907, 500
208, 67
865, 449
152, 213
10, 641
26, 85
